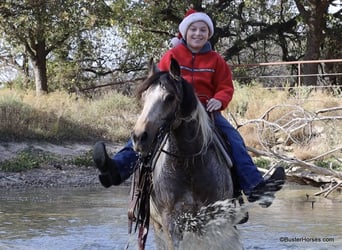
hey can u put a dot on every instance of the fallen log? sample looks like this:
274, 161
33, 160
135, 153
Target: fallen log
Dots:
303, 172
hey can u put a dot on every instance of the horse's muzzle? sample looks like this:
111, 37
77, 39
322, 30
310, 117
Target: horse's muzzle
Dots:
141, 142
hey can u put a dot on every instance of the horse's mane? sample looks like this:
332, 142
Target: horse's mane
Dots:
191, 106
205, 128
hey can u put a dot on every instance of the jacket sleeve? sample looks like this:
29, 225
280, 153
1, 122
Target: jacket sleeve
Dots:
164, 63
224, 83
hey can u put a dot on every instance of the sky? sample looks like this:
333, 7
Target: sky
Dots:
334, 9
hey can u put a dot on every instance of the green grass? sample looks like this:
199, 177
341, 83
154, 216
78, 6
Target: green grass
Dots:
83, 160
25, 160
330, 164
262, 162
31, 158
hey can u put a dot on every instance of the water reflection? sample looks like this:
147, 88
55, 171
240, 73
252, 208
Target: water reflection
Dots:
63, 219
96, 218
292, 223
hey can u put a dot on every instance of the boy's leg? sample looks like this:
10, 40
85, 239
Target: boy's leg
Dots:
247, 172
117, 169
250, 179
125, 160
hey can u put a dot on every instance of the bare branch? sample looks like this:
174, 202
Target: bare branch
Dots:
283, 125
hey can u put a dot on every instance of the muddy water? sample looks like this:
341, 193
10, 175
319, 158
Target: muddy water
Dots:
96, 218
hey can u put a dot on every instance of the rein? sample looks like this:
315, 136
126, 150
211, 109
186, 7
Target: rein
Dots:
182, 156
141, 188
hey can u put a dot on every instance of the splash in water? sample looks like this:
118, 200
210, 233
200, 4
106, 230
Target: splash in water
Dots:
212, 227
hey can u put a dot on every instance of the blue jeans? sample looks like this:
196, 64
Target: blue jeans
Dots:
247, 173
125, 160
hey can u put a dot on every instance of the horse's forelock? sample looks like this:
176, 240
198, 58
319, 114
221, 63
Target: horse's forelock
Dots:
160, 77
148, 82
183, 90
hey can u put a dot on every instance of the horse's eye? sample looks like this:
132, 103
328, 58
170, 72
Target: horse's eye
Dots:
169, 98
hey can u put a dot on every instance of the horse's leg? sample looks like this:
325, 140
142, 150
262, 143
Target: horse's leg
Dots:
161, 236
165, 227
168, 229
158, 235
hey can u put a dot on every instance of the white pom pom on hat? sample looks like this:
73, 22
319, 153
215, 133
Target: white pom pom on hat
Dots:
175, 41
196, 17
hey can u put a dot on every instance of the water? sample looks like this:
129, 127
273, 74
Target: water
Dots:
292, 223
63, 219
96, 218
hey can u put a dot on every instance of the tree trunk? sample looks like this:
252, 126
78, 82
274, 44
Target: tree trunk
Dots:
314, 39
25, 70
314, 17
39, 68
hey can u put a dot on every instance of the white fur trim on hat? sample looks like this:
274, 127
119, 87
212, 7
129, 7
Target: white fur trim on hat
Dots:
195, 17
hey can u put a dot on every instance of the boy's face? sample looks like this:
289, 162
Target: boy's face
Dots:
197, 35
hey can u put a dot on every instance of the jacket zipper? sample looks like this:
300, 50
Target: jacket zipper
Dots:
192, 68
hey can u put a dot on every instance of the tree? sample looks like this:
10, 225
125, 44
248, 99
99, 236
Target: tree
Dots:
333, 47
66, 32
246, 31
39, 27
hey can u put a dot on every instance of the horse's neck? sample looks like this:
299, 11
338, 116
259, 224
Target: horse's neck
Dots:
188, 138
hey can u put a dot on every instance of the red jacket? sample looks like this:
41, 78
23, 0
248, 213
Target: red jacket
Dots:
207, 71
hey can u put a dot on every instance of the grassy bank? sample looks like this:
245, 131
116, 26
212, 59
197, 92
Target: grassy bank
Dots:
61, 117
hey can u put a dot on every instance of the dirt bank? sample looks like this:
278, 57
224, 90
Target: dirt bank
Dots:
51, 174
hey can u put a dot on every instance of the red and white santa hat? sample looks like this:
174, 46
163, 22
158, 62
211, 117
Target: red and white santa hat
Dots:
192, 16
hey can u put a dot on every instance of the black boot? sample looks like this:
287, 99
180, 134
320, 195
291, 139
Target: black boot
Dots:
264, 192
109, 172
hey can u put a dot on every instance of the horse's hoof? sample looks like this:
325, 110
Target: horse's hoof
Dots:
244, 218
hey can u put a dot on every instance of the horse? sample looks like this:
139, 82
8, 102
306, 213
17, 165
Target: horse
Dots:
190, 171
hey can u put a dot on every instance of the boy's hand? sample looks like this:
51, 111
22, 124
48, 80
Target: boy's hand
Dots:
213, 104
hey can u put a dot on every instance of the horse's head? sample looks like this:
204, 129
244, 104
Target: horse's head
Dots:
166, 98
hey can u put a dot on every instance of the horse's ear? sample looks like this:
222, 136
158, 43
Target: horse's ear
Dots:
152, 68
175, 70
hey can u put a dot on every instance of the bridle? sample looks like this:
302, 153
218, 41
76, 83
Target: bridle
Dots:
141, 187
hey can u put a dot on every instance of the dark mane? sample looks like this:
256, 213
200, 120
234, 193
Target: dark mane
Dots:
148, 82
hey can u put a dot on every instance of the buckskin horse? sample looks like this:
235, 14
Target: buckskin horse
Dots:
189, 170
